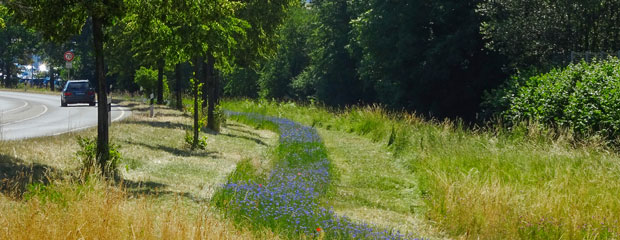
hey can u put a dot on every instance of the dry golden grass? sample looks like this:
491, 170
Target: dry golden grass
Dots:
165, 190
96, 211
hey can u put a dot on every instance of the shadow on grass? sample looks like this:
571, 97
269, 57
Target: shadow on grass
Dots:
169, 125
238, 128
174, 114
148, 188
16, 175
147, 108
256, 140
177, 151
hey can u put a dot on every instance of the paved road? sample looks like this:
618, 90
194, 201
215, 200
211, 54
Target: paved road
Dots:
27, 115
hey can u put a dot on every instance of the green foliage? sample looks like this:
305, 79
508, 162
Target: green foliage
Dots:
423, 56
87, 155
147, 79
45, 194
17, 43
244, 171
3, 12
241, 82
584, 97
291, 57
219, 118
201, 143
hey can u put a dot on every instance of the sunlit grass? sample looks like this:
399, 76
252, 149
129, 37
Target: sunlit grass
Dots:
96, 211
374, 188
528, 183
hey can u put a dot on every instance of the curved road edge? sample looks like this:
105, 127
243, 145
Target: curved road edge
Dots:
29, 115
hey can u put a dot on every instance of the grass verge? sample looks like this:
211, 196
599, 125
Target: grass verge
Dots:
165, 188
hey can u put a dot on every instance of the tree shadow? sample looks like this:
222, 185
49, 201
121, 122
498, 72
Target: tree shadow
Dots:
256, 140
177, 151
128, 105
142, 188
153, 189
238, 128
16, 175
169, 125
171, 114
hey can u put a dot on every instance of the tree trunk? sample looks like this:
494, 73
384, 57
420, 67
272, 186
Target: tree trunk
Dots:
210, 65
160, 81
195, 91
206, 84
3, 78
177, 90
7, 76
103, 149
52, 78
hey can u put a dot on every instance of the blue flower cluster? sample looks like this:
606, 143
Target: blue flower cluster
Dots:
289, 199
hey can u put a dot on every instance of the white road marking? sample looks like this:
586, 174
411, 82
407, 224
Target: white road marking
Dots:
15, 109
121, 116
82, 128
26, 119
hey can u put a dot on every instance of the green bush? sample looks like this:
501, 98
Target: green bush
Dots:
87, 157
583, 97
200, 144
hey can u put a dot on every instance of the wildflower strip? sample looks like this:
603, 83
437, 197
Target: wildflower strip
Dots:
287, 201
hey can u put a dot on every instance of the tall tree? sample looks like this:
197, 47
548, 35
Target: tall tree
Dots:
149, 24
201, 29
257, 41
58, 20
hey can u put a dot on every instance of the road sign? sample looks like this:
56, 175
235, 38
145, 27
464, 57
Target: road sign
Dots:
68, 65
68, 56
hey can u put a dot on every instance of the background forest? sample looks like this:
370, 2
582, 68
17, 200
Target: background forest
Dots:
447, 58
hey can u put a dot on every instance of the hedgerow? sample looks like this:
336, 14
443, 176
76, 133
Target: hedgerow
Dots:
583, 97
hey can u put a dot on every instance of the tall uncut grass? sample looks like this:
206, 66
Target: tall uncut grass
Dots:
528, 182
95, 210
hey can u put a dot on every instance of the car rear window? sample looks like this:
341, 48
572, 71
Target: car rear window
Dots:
78, 86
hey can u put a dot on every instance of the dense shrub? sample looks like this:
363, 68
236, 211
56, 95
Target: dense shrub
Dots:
87, 155
583, 97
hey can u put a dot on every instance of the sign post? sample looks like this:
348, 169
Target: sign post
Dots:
110, 107
152, 106
68, 56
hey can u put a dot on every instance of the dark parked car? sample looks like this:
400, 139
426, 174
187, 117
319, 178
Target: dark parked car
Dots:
77, 91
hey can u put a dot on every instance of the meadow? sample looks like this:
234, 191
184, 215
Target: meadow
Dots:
492, 183
285, 170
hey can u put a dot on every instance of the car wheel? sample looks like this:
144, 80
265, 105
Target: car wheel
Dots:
91, 103
63, 104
